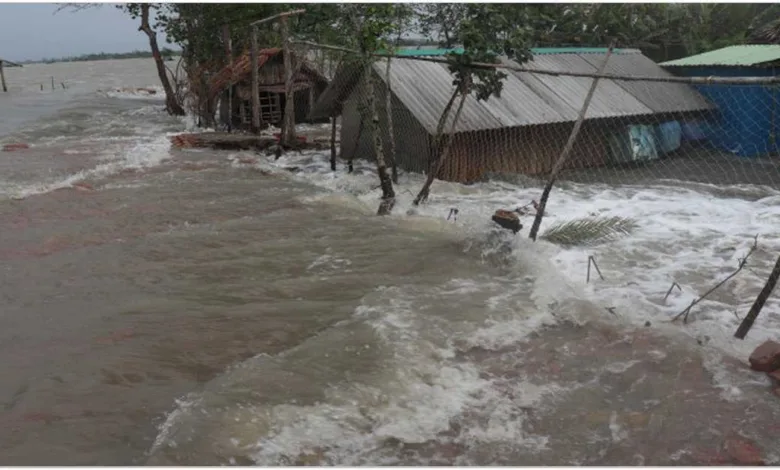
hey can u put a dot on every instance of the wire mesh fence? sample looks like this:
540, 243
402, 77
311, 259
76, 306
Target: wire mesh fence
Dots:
634, 131
688, 165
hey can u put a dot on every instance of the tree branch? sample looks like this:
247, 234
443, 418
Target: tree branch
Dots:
276, 17
75, 7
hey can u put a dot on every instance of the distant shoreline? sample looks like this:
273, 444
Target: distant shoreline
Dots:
166, 53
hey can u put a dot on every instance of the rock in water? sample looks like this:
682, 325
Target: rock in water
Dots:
766, 358
508, 220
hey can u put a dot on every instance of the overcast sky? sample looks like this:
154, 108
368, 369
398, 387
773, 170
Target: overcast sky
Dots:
32, 31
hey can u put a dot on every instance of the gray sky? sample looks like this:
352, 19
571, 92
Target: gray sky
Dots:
30, 31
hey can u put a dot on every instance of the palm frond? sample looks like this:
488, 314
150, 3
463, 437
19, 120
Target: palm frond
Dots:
589, 231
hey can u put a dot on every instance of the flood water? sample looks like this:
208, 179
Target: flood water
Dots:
181, 307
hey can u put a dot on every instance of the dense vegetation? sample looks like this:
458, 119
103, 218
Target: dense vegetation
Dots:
662, 30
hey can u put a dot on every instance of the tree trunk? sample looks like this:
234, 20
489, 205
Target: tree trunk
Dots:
390, 131
435, 150
333, 143
385, 182
226, 101
540, 211
747, 323
288, 122
439, 162
171, 104
351, 156
255, 83
442, 121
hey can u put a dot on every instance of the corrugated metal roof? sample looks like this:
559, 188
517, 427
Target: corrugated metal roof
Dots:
528, 98
732, 56
343, 82
609, 100
429, 97
658, 96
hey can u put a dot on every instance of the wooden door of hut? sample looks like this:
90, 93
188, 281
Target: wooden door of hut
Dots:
271, 106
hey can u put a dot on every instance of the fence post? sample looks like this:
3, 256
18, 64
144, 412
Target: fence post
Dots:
747, 323
567, 148
288, 122
2, 78
255, 84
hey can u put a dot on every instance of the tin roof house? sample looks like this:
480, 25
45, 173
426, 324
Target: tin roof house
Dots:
747, 123
523, 130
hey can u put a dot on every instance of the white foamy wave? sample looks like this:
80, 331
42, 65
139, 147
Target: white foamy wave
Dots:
144, 93
392, 375
139, 155
328, 263
691, 234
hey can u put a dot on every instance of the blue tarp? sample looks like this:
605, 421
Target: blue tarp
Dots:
643, 143
634, 143
669, 136
748, 115
693, 131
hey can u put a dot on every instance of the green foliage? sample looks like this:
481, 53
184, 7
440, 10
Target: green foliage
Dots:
484, 31
662, 30
589, 231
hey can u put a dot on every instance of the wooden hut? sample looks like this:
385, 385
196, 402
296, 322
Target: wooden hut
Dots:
525, 128
308, 84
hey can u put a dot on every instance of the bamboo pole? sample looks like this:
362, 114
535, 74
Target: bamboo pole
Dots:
2, 78
255, 84
567, 148
557, 73
288, 121
747, 323
226, 100
333, 143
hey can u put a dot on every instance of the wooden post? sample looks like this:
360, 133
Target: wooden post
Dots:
255, 84
311, 99
747, 323
567, 148
287, 72
333, 143
226, 102
288, 122
2, 78
52, 83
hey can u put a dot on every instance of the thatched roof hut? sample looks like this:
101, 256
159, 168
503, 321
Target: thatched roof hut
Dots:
308, 84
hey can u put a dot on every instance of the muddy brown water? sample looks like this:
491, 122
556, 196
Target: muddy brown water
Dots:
180, 309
